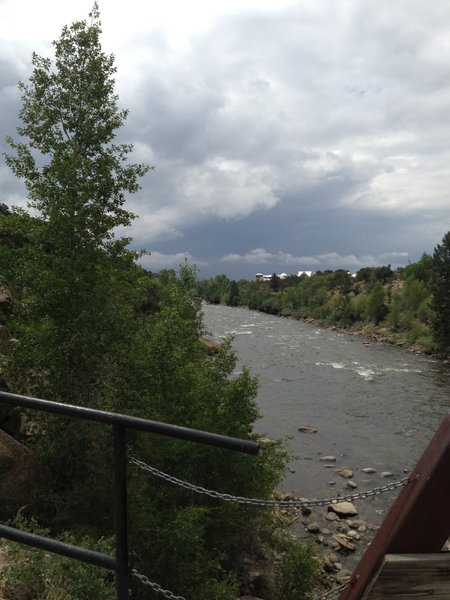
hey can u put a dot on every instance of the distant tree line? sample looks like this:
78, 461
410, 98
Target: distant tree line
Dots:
408, 306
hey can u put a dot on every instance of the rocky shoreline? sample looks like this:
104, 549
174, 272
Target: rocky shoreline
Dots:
341, 531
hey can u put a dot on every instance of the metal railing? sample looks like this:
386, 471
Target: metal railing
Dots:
120, 423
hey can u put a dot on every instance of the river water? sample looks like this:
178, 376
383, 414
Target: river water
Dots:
372, 405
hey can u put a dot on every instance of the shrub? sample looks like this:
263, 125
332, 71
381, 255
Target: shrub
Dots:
298, 574
44, 576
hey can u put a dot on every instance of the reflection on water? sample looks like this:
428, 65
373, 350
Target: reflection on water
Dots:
373, 405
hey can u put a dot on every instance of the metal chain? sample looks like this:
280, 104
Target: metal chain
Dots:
334, 592
259, 502
156, 587
171, 596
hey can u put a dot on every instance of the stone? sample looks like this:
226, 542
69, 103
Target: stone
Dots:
313, 528
334, 545
344, 542
288, 497
307, 429
343, 576
19, 475
346, 473
208, 345
332, 516
354, 523
305, 510
5, 302
387, 474
265, 441
328, 458
351, 484
343, 509
353, 534
328, 566
4, 560
369, 470
342, 527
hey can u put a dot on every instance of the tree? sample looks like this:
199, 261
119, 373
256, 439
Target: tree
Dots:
375, 306
421, 270
76, 178
78, 285
441, 293
274, 282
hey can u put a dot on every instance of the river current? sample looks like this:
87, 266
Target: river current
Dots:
372, 405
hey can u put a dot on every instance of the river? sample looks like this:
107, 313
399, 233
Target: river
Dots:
373, 405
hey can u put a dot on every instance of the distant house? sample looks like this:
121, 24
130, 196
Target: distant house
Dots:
262, 277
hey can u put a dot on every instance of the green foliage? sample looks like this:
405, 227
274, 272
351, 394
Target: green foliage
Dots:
441, 293
376, 308
71, 283
33, 573
298, 574
422, 270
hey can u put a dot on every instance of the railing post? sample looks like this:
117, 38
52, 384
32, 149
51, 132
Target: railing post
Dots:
120, 488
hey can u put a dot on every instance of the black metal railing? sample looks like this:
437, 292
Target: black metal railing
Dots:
120, 423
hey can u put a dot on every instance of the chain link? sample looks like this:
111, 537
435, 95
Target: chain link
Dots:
334, 592
259, 502
171, 596
156, 587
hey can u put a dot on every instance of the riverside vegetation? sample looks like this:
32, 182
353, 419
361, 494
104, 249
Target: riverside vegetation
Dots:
408, 306
86, 325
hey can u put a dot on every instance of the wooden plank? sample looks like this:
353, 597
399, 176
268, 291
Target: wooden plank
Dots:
406, 576
419, 520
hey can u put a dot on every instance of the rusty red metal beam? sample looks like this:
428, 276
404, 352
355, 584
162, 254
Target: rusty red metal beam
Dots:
419, 520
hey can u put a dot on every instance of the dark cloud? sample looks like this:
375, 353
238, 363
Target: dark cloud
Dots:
316, 132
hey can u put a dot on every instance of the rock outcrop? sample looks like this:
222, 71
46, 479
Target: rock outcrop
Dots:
19, 476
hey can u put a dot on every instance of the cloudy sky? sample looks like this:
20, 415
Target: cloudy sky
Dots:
285, 135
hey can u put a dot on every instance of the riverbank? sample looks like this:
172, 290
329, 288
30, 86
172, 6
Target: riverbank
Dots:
372, 333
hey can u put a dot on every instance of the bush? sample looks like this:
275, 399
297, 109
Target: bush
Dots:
298, 574
37, 574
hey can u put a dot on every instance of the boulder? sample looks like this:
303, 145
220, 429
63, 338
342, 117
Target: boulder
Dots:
346, 473
5, 302
343, 509
344, 542
387, 474
307, 429
208, 345
313, 528
343, 576
19, 475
